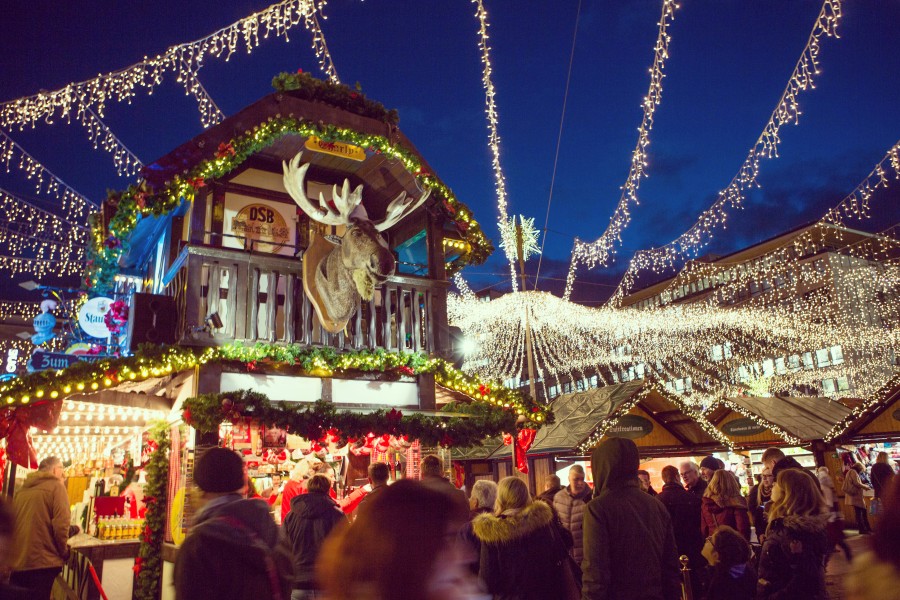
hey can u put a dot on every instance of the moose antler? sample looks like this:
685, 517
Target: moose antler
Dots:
400, 207
344, 200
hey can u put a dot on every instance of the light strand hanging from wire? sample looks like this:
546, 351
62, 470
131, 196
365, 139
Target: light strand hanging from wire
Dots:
182, 59
856, 204
37, 267
319, 46
75, 206
463, 287
101, 136
598, 251
503, 219
19, 310
786, 112
210, 113
783, 263
16, 209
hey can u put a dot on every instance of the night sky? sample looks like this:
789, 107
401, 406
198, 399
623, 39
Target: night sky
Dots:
729, 63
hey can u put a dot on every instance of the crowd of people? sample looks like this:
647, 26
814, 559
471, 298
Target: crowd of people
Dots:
424, 540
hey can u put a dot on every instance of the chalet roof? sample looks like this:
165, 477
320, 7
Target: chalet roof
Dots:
383, 177
807, 418
488, 447
855, 424
577, 415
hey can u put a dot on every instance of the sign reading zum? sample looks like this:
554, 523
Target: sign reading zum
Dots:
631, 427
743, 427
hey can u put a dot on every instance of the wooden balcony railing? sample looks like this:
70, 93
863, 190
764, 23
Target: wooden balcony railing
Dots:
259, 297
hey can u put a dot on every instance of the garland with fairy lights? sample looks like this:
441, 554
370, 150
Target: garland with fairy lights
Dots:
109, 243
159, 361
874, 401
148, 564
594, 438
789, 438
475, 423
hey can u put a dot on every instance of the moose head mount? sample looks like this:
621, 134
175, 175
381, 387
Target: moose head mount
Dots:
337, 275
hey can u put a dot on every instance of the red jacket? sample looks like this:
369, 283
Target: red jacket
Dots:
734, 515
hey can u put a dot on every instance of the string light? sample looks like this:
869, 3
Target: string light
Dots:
75, 206
598, 251
101, 136
184, 60
785, 435
786, 112
874, 401
210, 114
668, 342
503, 219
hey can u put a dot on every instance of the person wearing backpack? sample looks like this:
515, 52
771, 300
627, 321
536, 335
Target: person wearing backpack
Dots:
853, 490
234, 548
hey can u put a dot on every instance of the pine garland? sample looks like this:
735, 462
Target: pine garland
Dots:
148, 564
207, 411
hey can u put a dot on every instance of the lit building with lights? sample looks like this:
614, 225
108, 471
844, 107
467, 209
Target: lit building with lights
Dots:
830, 273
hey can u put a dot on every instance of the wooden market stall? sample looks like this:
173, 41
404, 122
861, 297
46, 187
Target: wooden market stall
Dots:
660, 424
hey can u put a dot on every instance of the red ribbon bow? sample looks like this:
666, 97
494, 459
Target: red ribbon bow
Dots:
15, 425
522, 442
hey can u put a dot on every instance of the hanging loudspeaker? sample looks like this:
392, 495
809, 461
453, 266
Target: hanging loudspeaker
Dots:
151, 320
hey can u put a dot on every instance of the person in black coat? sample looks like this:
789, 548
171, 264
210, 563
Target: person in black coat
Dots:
521, 549
234, 548
629, 543
313, 515
792, 565
684, 508
881, 474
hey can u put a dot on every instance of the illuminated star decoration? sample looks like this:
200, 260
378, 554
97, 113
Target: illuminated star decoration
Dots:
530, 237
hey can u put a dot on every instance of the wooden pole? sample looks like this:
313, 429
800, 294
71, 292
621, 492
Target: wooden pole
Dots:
528, 349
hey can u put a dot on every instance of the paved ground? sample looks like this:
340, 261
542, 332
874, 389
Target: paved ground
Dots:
838, 565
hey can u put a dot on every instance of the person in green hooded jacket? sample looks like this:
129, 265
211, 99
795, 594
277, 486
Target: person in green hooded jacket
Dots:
629, 543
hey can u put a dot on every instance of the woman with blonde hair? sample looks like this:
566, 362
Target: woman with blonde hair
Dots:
522, 552
723, 504
792, 564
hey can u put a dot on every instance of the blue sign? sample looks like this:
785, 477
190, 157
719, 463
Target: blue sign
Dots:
42, 361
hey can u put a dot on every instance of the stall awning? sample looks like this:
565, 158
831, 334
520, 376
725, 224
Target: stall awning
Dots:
577, 416
488, 447
807, 418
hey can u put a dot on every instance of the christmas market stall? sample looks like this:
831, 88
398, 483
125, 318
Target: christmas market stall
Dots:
660, 423
870, 428
280, 281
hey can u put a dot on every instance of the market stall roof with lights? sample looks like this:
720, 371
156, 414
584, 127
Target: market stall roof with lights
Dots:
877, 420
356, 137
777, 419
659, 422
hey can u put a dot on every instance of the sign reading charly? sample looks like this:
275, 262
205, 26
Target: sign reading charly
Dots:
743, 427
631, 427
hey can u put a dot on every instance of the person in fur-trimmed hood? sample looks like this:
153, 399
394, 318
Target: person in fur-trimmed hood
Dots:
792, 566
521, 551
629, 543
